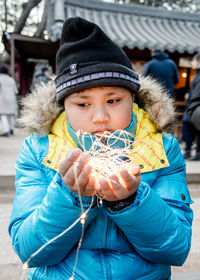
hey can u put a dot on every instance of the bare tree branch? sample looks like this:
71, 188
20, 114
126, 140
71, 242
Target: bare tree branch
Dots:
27, 8
41, 26
6, 14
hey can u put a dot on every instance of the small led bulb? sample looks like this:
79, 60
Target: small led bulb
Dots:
71, 278
25, 266
83, 216
82, 221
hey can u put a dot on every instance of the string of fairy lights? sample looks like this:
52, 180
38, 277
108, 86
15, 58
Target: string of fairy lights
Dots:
107, 154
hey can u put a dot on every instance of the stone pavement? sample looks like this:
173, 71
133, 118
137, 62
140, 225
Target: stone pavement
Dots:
9, 150
10, 266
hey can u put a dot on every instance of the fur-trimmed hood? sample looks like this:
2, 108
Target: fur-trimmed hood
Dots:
40, 108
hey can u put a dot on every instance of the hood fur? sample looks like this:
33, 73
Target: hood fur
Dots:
40, 108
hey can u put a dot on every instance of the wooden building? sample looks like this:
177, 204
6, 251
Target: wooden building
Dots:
137, 29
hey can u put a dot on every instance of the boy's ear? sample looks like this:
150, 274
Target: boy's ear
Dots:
66, 113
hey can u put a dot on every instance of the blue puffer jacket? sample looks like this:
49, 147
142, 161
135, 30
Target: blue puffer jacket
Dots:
141, 241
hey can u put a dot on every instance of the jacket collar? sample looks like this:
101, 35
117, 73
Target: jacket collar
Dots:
148, 150
117, 141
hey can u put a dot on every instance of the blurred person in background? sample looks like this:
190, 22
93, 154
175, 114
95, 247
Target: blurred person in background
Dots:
8, 101
191, 118
41, 76
163, 69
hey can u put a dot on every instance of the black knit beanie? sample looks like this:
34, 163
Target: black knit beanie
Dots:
88, 58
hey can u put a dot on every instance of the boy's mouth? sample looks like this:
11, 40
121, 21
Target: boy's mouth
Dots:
102, 132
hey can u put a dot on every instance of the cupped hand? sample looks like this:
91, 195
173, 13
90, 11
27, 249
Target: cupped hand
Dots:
119, 187
76, 173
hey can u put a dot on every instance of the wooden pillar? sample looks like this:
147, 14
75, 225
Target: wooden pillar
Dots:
59, 11
12, 56
188, 78
59, 18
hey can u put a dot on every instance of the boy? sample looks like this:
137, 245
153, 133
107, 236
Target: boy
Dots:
139, 230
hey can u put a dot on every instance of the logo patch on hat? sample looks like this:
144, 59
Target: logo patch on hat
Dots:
73, 69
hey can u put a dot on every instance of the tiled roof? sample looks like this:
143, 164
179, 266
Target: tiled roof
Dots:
139, 26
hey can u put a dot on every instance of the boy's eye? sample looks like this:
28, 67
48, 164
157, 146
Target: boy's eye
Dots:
83, 104
113, 101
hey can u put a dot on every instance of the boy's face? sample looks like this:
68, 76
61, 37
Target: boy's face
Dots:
100, 109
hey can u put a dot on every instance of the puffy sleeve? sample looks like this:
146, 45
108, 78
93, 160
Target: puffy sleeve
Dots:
43, 208
158, 223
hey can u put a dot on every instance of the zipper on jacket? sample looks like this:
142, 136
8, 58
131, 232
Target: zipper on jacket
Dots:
103, 264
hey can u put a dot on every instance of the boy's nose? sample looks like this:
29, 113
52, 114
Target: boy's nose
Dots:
100, 115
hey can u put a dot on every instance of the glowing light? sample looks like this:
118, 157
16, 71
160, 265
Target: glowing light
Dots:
121, 180
108, 156
83, 216
25, 266
184, 75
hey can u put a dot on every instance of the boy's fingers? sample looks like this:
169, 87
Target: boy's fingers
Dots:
83, 160
115, 181
74, 177
71, 157
135, 170
90, 188
83, 177
131, 182
119, 188
105, 189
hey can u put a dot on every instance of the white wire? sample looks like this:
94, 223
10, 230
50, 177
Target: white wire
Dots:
105, 161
